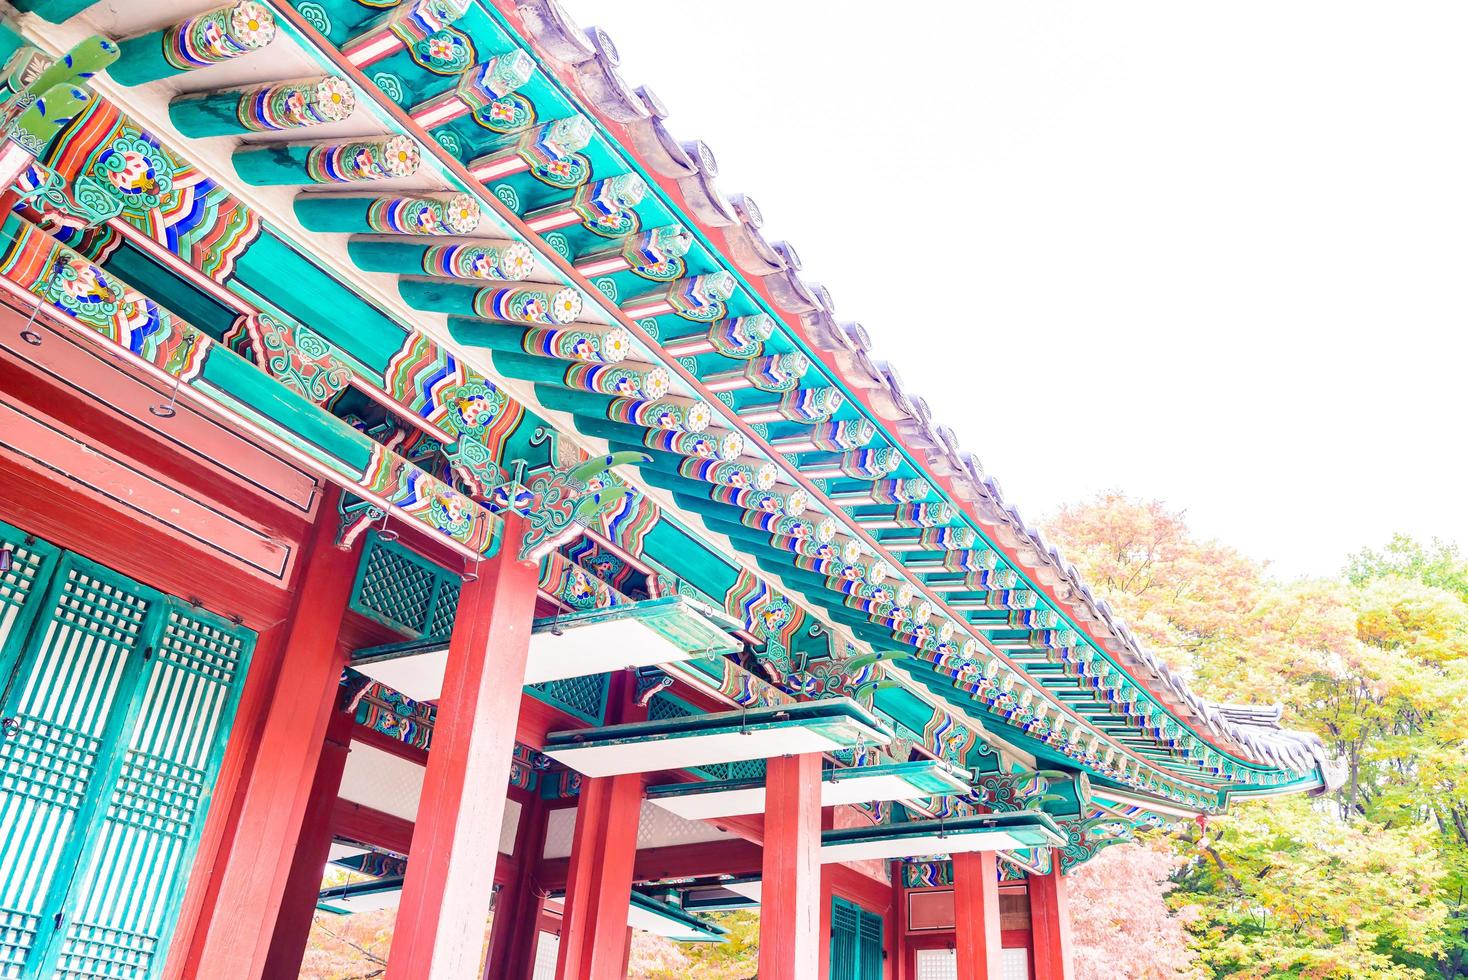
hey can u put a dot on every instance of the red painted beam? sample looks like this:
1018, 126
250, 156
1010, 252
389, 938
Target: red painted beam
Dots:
976, 914
512, 942
594, 935
365, 825
236, 940
222, 824
446, 894
828, 903
894, 927
854, 886
387, 743
298, 905
790, 906
1050, 942
719, 857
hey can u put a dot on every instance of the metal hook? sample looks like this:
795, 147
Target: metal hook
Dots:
30, 336
170, 410
384, 533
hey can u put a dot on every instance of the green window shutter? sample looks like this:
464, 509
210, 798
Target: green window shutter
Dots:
869, 941
31, 565
845, 922
403, 590
856, 942
117, 702
121, 913
66, 694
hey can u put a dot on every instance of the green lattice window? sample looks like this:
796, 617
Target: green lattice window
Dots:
665, 706
405, 591
751, 769
116, 702
856, 942
580, 697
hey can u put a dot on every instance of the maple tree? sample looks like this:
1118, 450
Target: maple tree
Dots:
1367, 881
1119, 901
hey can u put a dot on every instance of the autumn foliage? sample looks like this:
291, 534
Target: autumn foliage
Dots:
1366, 882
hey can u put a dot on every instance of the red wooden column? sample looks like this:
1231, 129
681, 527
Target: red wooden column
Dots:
594, 937
517, 912
298, 906
823, 940
235, 941
1050, 925
790, 893
439, 932
595, 940
976, 915
896, 927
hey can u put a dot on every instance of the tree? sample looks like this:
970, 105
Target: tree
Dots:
1369, 881
1118, 903
1437, 563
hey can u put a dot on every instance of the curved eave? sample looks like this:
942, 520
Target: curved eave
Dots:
1051, 578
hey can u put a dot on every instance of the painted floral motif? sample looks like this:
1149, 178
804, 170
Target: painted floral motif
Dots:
474, 406
138, 171
444, 52
224, 33
296, 356
509, 114
565, 173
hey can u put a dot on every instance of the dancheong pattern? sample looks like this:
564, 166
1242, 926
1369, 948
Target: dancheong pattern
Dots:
165, 198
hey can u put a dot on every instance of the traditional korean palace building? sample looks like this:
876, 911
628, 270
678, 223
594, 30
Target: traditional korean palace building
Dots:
413, 463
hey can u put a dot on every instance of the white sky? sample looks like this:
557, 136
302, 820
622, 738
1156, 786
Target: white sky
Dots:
1211, 253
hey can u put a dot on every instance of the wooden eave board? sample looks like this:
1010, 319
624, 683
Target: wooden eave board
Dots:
694, 741
642, 634
992, 832
839, 787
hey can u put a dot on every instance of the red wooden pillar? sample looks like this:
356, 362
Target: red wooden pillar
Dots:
823, 941
790, 892
896, 926
1050, 925
976, 915
595, 939
517, 912
236, 939
594, 934
298, 906
439, 932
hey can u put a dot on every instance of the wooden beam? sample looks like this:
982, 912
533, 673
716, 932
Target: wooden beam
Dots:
790, 892
1050, 942
446, 894
594, 935
385, 831
512, 940
313, 848
595, 939
236, 940
976, 914
732, 857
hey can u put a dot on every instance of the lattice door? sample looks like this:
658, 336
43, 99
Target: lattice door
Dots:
845, 925
119, 915
68, 692
869, 947
116, 702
